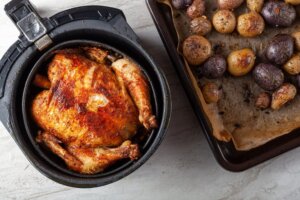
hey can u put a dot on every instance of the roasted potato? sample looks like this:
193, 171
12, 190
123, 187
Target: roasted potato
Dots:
250, 24
296, 37
200, 25
255, 5
212, 93
278, 13
229, 4
280, 49
214, 67
197, 9
293, 2
267, 76
224, 21
263, 100
293, 65
284, 94
181, 4
196, 49
241, 62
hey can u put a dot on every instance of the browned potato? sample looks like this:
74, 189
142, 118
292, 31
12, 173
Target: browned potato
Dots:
200, 25
284, 94
250, 24
263, 100
211, 93
255, 5
196, 49
229, 4
224, 21
197, 9
296, 37
241, 62
293, 2
293, 65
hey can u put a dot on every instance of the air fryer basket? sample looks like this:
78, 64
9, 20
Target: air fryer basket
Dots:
92, 25
30, 91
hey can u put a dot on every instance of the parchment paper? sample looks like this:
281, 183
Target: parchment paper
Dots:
235, 116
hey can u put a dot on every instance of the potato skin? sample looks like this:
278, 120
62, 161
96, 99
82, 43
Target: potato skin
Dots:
224, 21
197, 9
296, 37
263, 100
181, 4
214, 67
284, 94
196, 49
267, 76
229, 4
211, 93
280, 49
293, 65
200, 26
255, 5
250, 24
241, 62
293, 2
277, 13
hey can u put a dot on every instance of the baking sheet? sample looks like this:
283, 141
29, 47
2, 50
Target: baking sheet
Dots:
235, 116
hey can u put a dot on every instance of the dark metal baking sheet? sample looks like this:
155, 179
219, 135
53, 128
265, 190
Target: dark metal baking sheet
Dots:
225, 153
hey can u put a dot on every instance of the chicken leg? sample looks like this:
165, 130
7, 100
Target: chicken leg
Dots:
89, 160
136, 83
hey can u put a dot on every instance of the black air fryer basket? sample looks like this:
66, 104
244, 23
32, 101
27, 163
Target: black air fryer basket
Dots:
90, 25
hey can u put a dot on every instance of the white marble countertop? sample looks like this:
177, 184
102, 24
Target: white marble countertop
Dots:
182, 168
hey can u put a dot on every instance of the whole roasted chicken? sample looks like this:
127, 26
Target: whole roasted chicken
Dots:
92, 106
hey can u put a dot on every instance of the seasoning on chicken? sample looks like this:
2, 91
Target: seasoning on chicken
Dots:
91, 109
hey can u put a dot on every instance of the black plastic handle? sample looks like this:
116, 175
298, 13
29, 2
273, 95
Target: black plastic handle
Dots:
18, 9
26, 18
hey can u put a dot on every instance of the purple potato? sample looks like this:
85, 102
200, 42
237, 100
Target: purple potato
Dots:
268, 77
280, 49
278, 13
214, 67
181, 4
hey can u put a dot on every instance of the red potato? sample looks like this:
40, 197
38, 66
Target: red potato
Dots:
255, 5
224, 21
241, 62
196, 49
229, 4
250, 24
197, 9
263, 100
212, 93
201, 26
293, 2
284, 94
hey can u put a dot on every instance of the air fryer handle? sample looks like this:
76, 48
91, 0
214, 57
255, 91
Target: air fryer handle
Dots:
28, 21
120, 24
19, 9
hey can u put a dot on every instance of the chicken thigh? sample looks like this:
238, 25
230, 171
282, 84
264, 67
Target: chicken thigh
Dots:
89, 110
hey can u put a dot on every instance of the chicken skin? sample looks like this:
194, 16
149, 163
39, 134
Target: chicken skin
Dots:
90, 110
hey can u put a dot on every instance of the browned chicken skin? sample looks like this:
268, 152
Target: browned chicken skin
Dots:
91, 110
